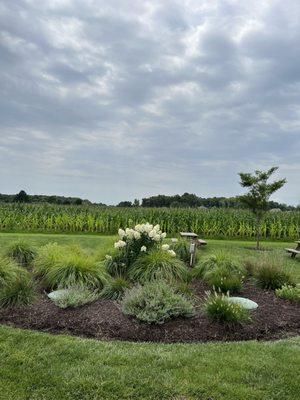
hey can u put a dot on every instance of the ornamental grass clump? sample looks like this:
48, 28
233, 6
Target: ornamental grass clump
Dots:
73, 269
223, 272
47, 256
219, 309
16, 285
158, 264
289, 292
155, 303
22, 252
115, 289
67, 266
270, 274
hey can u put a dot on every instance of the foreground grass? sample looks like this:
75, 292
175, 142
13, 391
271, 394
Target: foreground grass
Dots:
41, 366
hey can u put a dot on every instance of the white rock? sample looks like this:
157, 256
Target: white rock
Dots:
243, 302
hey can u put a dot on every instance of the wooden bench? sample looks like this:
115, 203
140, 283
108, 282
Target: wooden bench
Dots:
293, 252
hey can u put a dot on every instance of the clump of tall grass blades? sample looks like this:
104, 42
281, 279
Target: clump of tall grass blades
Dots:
223, 272
66, 266
155, 303
16, 285
270, 274
115, 288
22, 252
219, 309
157, 264
289, 292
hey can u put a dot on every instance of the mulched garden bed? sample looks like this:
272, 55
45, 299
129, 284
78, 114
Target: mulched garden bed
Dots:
275, 318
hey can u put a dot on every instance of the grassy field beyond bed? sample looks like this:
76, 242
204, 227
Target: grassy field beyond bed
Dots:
37, 366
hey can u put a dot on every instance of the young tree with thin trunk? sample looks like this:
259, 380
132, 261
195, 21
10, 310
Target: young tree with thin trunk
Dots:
258, 195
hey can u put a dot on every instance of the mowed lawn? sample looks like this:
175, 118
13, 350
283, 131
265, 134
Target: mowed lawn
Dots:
41, 366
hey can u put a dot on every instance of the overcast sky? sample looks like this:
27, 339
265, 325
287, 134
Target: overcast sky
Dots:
116, 100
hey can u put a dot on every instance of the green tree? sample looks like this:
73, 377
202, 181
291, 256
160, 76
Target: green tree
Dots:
21, 197
257, 198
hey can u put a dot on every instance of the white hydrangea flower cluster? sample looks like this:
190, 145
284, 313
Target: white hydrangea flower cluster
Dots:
147, 230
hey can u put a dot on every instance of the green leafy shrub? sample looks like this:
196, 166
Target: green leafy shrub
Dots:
158, 264
271, 275
289, 292
155, 303
182, 250
22, 252
16, 285
223, 272
115, 289
219, 309
76, 296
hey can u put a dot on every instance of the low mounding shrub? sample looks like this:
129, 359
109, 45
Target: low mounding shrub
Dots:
182, 250
67, 266
157, 264
219, 309
76, 296
271, 275
155, 303
22, 252
289, 292
16, 285
115, 289
223, 272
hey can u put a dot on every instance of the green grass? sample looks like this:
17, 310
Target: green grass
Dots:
39, 366
36, 366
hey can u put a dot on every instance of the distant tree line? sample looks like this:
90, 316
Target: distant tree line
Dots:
189, 200
186, 200
23, 197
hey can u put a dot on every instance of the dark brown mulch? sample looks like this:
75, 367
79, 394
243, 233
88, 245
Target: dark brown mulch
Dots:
275, 318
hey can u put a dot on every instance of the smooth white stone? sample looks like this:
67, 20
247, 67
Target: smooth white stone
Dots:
57, 294
243, 302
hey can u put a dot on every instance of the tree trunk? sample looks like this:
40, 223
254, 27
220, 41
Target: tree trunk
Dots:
258, 231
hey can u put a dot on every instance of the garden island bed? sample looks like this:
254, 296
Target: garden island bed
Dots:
103, 319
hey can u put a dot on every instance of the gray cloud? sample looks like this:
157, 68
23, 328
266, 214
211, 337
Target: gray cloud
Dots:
116, 100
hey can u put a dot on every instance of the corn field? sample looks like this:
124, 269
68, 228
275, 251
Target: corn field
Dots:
217, 223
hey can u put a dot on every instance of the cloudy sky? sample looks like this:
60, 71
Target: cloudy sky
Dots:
116, 100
